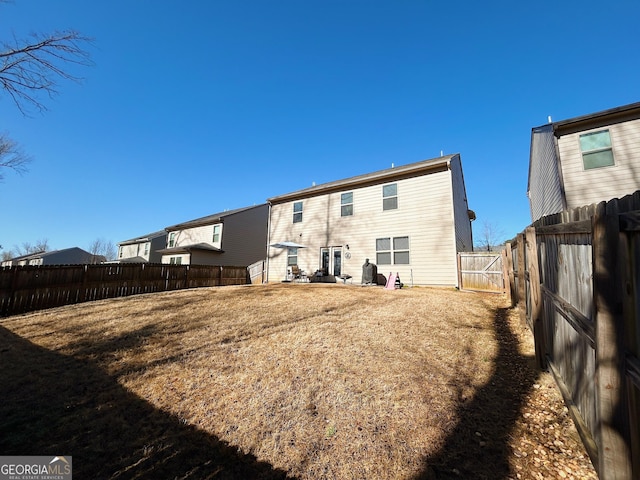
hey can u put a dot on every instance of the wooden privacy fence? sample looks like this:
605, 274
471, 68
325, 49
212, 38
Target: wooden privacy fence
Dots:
575, 277
28, 288
483, 271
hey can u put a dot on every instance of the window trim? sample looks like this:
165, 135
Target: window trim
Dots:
347, 204
172, 240
217, 227
297, 214
596, 150
393, 251
393, 196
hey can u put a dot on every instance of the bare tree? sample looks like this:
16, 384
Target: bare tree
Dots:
12, 156
103, 247
32, 67
490, 236
27, 248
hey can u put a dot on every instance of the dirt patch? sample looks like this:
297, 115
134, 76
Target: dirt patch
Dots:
304, 381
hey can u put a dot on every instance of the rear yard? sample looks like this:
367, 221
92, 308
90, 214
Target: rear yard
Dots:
304, 381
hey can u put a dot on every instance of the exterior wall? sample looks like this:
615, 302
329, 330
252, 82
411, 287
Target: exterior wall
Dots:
157, 243
195, 235
185, 257
424, 214
584, 187
545, 183
464, 236
244, 240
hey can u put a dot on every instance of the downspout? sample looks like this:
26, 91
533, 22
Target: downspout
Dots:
266, 266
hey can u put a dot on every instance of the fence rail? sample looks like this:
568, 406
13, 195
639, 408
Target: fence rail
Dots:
28, 288
575, 278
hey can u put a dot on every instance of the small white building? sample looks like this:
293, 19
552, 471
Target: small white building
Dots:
411, 220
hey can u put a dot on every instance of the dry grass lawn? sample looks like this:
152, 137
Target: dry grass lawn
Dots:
306, 381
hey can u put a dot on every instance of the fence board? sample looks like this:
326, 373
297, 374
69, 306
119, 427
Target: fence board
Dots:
28, 288
589, 260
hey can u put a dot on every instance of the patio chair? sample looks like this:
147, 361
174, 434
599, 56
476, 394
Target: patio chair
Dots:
298, 274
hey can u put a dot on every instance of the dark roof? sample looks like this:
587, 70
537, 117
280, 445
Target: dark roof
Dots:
189, 249
144, 238
594, 120
380, 176
210, 219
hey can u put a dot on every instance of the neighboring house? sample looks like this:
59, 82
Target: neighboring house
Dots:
142, 249
584, 160
409, 220
67, 256
233, 238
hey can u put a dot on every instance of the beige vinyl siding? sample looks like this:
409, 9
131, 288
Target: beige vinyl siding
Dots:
583, 187
129, 251
193, 236
424, 214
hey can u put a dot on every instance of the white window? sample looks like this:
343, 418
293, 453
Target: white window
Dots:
172, 240
346, 204
392, 251
216, 233
175, 260
292, 256
596, 150
146, 248
297, 212
121, 251
390, 196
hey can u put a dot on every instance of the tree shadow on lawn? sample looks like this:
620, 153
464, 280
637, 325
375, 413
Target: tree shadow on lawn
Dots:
52, 404
478, 446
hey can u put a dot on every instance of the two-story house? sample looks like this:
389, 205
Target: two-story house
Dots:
584, 160
234, 238
143, 249
66, 256
410, 220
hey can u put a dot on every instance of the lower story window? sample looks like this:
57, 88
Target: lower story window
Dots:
292, 256
175, 260
392, 251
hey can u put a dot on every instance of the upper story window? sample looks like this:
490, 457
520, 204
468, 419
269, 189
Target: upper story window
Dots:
216, 233
146, 248
390, 196
596, 149
172, 240
392, 251
297, 212
121, 252
346, 204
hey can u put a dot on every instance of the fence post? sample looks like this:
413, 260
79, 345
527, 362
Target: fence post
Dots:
612, 428
507, 266
535, 296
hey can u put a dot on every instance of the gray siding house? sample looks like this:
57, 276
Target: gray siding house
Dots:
233, 238
410, 220
67, 256
143, 249
584, 160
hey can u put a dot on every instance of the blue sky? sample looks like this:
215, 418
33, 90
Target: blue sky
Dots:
194, 107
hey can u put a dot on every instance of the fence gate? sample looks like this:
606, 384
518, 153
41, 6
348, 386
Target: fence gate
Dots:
481, 271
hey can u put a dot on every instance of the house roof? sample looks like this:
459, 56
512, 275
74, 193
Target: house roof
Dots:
598, 119
144, 238
209, 219
378, 177
189, 249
